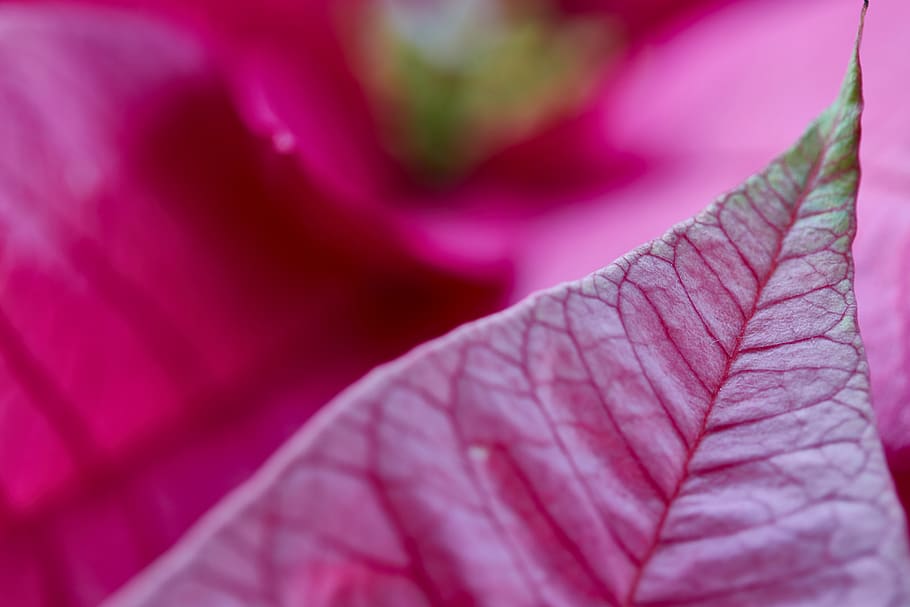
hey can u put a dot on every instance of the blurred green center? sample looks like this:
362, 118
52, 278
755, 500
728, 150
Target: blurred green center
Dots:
458, 80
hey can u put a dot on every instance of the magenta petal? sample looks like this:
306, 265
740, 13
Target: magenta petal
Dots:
174, 300
294, 75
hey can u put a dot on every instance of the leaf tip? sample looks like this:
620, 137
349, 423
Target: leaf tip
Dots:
851, 90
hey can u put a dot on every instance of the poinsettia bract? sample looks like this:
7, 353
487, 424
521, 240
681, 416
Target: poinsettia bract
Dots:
688, 426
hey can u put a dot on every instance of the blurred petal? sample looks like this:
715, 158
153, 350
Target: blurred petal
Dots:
174, 300
290, 64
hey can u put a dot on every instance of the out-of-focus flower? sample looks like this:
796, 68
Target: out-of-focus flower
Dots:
441, 108
456, 87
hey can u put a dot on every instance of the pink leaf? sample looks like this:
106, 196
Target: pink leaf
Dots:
688, 426
683, 136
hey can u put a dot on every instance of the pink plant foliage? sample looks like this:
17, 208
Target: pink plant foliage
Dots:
700, 405
742, 95
176, 298
203, 241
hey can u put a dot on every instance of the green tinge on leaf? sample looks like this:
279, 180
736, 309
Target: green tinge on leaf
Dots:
828, 153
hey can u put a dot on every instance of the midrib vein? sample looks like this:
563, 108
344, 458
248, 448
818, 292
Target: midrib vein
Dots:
807, 188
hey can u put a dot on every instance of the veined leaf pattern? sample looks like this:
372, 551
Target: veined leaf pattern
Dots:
689, 426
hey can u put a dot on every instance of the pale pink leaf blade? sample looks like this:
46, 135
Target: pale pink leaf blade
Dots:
689, 426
